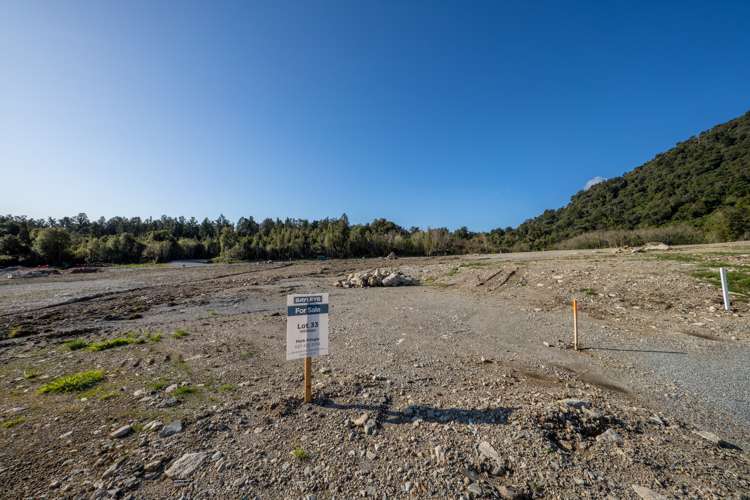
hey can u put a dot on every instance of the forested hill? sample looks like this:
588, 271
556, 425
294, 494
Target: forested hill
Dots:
703, 182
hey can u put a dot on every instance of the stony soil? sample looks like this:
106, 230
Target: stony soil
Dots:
465, 386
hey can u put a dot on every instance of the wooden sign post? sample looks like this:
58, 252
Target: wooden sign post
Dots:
575, 325
307, 331
308, 379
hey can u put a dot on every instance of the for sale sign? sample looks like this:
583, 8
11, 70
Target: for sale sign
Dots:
306, 325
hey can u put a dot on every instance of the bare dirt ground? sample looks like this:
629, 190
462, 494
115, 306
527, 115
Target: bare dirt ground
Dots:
462, 387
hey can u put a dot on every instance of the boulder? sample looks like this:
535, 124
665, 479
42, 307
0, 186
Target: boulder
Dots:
186, 465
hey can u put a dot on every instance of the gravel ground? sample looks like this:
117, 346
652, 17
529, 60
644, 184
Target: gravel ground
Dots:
463, 387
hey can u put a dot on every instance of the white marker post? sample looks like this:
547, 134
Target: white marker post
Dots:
307, 331
725, 288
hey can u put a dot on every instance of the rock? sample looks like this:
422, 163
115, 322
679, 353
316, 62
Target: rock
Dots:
610, 436
475, 488
361, 420
154, 425
440, 454
510, 493
487, 451
113, 468
170, 389
708, 436
713, 438
576, 403
376, 277
654, 246
122, 432
153, 466
391, 256
171, 429
139, 393
657, 420
370, 427
647, 493
66, 435
183, 467
168, 403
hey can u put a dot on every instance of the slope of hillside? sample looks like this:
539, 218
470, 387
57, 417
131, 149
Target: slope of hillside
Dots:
703, 182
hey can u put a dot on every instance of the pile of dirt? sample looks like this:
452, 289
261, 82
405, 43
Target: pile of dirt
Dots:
31, 273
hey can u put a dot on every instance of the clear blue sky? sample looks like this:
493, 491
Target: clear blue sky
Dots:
428, 113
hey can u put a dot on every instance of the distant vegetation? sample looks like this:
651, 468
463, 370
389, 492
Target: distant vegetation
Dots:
699, 191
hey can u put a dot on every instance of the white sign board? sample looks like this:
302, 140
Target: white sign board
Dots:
306, 325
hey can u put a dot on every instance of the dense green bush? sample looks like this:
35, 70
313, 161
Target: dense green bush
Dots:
53, 245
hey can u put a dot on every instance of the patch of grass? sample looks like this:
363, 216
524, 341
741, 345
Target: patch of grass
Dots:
18, 331
185, 390
76, 344
73, 383
154, 337
157, 385
300, 454
679, 257
30, 374
739, 281
476, 264
453, 272
178, 334
103, 345
107, 395
226, 388
245, 355
589, 291
12, 422
100, 393
212, 313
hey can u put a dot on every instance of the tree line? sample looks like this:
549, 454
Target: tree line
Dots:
698, 191
120, 240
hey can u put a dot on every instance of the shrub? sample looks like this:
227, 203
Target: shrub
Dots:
53, 245
671, 235
300, 454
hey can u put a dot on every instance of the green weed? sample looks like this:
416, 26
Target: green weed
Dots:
300, 454
73, 383
18, 331
157, 385
185, 390
178, 334
12, 422
76, 344
154, 337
